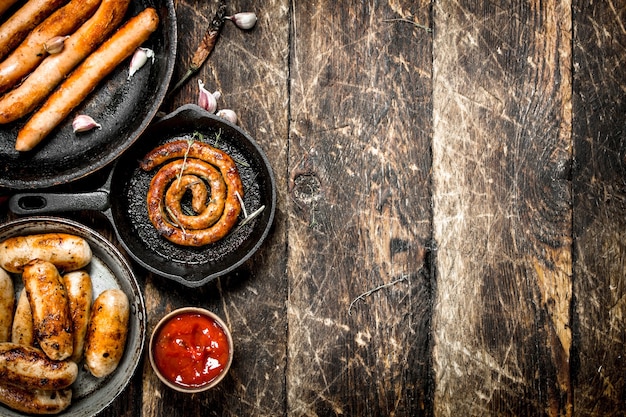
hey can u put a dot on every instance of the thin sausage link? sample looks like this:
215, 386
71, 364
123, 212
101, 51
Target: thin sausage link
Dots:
52, 71
32, 50
17, 27
86, 77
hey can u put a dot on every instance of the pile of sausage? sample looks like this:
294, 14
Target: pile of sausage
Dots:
211, 177
54, 324
95, 40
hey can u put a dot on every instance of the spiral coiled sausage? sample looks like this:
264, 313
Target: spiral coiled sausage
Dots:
193, 161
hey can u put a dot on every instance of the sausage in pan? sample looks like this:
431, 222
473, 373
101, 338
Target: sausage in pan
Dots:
182, 149
35, 401
30, 368
173, 196
17, 26
86, 77
31, 51
52, 70
50, 307
7, 303
108, 329
23, 332
67, 252
80, 294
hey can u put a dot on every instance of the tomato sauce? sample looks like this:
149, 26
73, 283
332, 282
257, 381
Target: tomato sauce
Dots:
191, 350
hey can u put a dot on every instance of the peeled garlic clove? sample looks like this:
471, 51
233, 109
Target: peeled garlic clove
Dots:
84, 123
139, 59
228, 114
243, 20
206, 99
55, 45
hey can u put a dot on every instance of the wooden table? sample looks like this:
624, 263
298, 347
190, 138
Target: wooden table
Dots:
450, 237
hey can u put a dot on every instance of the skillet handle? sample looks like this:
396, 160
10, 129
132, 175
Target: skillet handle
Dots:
42, 203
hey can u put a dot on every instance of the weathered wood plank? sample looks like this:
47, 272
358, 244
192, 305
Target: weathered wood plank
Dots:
502, 217
359, 171
600, 205
250, 69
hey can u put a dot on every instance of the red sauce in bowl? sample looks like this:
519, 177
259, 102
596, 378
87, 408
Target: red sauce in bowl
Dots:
191, 350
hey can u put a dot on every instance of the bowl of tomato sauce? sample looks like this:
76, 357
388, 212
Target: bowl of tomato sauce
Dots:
191, 349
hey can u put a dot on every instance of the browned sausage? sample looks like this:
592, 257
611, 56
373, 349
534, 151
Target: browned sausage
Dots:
52, 70
86, 77
168, 175
16, 27
30, 368
7, 304
108, 329
67, 252
80, 294
227, 167
35, 401
32, 50
50, 307
23, 332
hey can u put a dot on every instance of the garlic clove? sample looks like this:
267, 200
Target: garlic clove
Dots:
228, 114
206, 99
84, 123
243, 20
55, 45
139, 59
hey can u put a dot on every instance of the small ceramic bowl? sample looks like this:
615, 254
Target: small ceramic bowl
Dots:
191, 349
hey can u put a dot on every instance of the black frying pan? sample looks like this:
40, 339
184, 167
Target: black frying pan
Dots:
124, 109
123, 200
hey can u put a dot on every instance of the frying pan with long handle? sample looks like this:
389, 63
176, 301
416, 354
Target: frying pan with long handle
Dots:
124, 107
122, 199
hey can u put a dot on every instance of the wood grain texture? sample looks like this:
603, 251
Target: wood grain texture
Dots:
600, 204
502, 217
450, 232
359, 174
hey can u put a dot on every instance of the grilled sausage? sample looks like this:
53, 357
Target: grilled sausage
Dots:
7, 304
176, 191
32, 50
51, 309
23, 332
181, 149
80, 294
86, 77
67, 252
29, 367
16, 27
108, 329
35, 401
52, 70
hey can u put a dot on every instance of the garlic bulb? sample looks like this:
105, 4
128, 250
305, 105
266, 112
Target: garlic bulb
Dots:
139, 59
206, 99
228, 114
84, 123
55, 45
243, 20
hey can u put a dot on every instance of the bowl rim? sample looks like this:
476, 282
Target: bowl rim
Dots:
212, 316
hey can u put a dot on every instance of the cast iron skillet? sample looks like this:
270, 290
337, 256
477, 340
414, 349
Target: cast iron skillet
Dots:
123, 200
123, 107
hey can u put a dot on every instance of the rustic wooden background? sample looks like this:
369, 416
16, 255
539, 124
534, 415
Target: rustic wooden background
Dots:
450, 236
